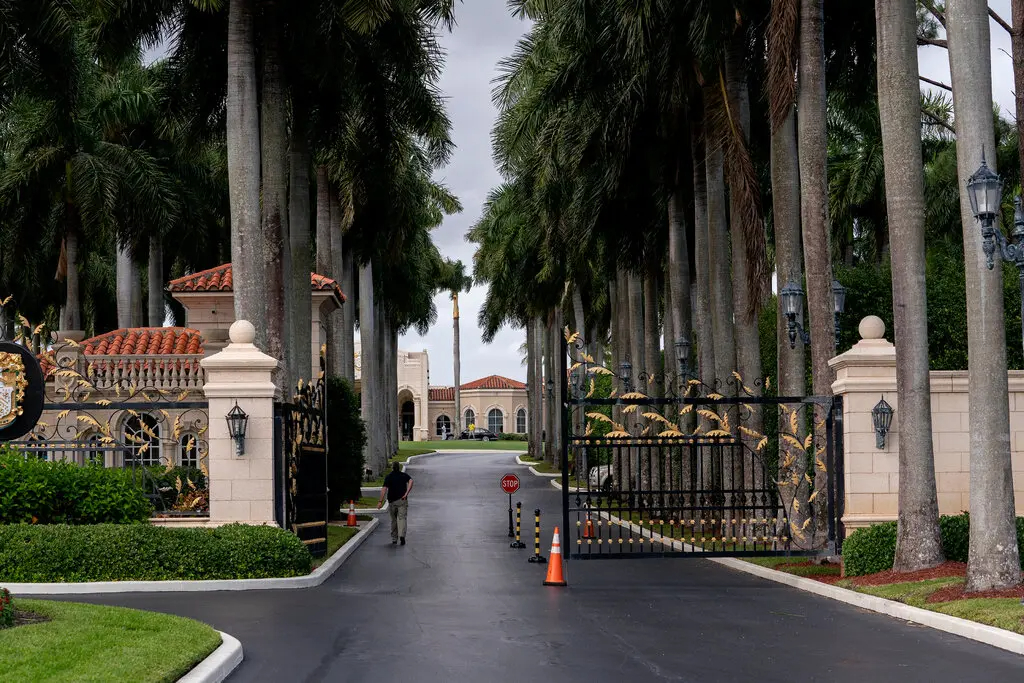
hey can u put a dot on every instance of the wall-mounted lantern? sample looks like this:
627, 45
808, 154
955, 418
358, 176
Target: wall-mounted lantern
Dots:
881, 416
237, 423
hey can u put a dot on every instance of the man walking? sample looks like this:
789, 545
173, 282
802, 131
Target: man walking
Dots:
397, 486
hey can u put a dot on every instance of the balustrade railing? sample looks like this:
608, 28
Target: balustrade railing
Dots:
170, 372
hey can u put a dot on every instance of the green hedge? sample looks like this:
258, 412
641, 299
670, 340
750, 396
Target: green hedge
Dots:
346, 437
112, 552
511, 437
873, 549
41, 492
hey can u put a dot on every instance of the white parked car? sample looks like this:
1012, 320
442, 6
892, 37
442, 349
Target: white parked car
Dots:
601, 477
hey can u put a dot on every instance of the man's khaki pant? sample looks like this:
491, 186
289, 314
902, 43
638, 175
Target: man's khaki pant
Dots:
398, 509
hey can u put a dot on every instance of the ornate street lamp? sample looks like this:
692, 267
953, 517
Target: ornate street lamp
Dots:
792, 298
551, 388
839, 295
237, 423
881, 418
683, 357
985, 190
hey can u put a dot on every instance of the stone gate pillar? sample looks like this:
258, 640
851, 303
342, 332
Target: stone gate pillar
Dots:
241, 486
865, 374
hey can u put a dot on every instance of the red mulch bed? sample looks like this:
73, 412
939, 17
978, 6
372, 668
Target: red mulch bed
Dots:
944, 570
823, 578
957, 593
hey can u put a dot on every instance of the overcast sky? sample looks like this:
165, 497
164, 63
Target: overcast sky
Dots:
486, 33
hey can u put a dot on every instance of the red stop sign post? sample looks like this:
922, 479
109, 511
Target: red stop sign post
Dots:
510, 484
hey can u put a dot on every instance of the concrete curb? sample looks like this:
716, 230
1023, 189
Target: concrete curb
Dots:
529, 464
371, 491
990, 635
317, 577
219, 664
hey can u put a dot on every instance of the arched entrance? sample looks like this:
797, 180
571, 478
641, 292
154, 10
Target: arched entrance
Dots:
408, 421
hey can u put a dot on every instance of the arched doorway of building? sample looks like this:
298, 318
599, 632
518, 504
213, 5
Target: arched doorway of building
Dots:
408, 420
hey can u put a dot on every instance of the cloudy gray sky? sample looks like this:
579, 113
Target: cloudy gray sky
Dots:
486, 33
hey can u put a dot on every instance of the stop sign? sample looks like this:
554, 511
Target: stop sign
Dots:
510, 484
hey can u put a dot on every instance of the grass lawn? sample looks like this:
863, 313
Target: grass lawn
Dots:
337, 536
546, 468
97, 643
1005, 613
467, 445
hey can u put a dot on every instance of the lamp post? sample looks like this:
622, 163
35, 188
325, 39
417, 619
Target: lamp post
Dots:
625, 372
792, 297
237, 423
839, 295
985, 190
683, 357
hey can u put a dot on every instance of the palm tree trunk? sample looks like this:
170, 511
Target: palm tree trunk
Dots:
300, 335
456, 362
702, 313
369, 375
814, 194
549, 400
341, 221
136, 288
918, 545
788, 257
243, 151
558, 336
531, 387
993, 560
125, 272
1017, 43
156, 308
324, 258
274, 157
537, 380
348, 312
722, 306
678, 276
72, 315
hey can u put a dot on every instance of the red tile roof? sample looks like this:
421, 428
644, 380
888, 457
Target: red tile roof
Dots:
219, 280
490, 382
145, 341
494, 382
441, 394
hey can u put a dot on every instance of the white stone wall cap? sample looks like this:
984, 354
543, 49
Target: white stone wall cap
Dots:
219, 664
240, 390
241, 357
243, 332
317, 577
871, 327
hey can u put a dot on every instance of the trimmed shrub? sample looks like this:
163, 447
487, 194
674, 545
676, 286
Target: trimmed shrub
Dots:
166, 482
873, 549
6, 609
870, 550
511, 437
112, 552
346, 436
35, 491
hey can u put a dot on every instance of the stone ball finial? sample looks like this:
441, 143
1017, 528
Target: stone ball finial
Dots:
241, 332
872, 327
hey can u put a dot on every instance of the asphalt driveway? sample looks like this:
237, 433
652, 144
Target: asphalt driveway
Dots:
457, 604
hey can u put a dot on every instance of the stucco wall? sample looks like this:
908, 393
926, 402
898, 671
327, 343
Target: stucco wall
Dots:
481, 401
865, 374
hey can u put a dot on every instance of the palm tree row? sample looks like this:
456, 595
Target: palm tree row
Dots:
310, 134
662, 160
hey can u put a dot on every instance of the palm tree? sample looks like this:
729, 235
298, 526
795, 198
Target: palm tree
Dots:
455, 280
918, 544
993, 560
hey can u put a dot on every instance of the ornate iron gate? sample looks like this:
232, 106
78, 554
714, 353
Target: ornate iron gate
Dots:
300, 461
665, 466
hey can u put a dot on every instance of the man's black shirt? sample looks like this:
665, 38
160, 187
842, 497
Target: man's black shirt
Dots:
396, 483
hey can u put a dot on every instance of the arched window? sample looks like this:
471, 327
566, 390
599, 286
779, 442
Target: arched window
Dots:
188, 452
495, 421
521, 421
142, 440
444, 425
470, 418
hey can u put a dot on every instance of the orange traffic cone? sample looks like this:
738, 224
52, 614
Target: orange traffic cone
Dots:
588, 528
555, 576
352, 521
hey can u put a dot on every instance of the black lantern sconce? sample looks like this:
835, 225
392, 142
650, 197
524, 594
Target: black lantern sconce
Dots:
881, 417
237, 423
683, 357
792, 297
551, 388
839, 295
625, 373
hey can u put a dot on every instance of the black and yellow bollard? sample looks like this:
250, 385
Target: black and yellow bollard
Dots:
518, 543
537, 557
